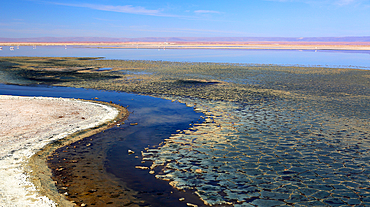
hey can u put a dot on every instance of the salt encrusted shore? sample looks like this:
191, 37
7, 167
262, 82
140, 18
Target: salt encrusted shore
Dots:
27, 124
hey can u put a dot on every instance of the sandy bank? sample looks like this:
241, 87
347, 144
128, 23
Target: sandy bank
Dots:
27, 124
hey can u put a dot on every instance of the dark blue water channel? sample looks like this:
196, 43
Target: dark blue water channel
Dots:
157, 119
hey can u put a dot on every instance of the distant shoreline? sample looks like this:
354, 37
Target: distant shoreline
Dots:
270, 45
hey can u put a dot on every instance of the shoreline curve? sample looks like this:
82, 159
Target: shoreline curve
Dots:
33, 127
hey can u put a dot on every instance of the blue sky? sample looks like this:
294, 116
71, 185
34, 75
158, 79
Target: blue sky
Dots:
189, 18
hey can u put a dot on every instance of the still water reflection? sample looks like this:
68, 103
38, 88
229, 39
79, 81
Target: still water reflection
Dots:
157, 119
326, 58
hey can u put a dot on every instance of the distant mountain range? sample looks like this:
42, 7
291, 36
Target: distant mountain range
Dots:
189, 39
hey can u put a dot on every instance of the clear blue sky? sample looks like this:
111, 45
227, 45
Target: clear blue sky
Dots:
184, 18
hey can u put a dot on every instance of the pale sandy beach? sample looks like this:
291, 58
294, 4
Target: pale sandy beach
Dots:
27, 124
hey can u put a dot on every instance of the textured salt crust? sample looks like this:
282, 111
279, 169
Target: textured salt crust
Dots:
25, 130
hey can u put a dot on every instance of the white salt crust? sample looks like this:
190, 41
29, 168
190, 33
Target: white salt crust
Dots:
24, 131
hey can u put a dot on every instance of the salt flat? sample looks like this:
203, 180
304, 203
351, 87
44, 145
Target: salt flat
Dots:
28, 124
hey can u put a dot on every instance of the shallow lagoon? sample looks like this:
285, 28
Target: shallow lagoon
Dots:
273, 153
156, 120
322, 58
270, 154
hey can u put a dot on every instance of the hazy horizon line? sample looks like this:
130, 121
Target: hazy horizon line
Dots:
186, 39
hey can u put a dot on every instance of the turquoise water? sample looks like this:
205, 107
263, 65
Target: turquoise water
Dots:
325, 58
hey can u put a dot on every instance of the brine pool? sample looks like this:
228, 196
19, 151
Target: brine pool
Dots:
270, 154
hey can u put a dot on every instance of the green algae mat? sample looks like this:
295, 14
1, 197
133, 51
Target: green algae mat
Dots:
273, 135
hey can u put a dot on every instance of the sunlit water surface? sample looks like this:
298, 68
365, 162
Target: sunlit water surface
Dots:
325, 58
